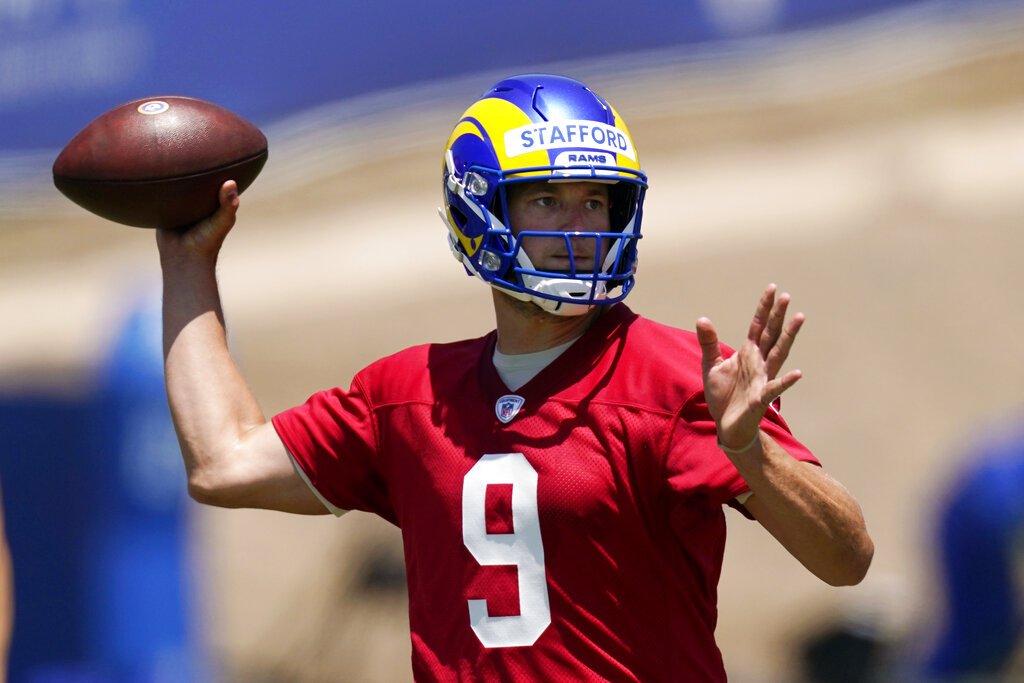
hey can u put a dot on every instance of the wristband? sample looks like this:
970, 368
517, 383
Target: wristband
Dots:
737, 451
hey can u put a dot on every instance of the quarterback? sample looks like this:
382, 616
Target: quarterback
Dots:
559, 482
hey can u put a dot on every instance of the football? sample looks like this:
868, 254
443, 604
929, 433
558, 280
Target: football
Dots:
159, 162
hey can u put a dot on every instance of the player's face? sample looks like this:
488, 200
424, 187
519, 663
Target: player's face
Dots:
566, 207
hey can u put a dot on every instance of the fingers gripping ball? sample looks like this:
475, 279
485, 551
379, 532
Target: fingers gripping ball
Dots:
159, 162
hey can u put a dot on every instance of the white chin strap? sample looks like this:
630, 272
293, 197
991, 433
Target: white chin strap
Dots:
560, 308
561, 287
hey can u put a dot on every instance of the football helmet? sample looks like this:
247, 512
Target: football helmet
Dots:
541, 128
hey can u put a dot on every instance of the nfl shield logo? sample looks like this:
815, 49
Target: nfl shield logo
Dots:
508, 407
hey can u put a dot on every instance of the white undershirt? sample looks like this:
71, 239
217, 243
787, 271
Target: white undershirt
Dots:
516, 370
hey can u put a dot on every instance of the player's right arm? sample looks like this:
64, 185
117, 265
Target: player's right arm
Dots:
233, 456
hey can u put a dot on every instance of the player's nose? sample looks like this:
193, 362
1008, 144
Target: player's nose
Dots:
573, 220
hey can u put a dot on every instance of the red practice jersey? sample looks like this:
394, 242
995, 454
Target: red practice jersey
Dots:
570, 530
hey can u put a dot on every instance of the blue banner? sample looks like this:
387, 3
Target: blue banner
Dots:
94, 497
64, 62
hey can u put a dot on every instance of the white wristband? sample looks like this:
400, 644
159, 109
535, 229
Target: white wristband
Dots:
737, 451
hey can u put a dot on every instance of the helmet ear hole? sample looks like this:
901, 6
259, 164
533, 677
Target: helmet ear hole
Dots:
498, 206
460, 218
621, 205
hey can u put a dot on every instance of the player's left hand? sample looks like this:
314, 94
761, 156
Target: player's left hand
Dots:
739, 389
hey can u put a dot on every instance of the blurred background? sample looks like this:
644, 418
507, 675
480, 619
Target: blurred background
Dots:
866, 155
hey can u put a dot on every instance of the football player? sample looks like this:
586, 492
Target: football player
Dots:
559, 482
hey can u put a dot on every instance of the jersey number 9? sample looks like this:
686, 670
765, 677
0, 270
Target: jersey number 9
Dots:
522, 548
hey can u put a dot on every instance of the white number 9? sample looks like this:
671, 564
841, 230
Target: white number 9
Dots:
522, 548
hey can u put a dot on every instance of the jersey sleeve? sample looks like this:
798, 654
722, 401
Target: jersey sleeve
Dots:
333, 440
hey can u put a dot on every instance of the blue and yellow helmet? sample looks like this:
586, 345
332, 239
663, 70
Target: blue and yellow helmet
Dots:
540, 127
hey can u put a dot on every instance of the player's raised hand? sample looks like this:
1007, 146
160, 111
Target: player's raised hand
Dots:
204, 239
739, 389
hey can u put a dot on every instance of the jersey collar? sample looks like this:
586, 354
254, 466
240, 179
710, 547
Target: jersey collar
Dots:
574, 365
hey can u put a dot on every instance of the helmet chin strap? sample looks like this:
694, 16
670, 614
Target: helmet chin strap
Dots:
565, 288
559, 308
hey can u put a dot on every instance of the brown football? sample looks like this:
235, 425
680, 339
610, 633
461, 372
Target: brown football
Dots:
159, 162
